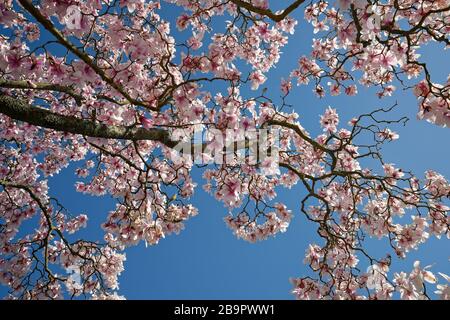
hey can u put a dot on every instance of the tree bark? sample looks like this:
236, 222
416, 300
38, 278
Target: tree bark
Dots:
22, 111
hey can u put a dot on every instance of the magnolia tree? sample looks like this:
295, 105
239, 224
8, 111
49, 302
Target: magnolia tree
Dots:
104, 84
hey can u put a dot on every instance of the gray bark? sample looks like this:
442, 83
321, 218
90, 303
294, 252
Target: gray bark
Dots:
22, 111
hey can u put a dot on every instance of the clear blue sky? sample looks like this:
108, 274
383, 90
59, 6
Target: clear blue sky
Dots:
207, 262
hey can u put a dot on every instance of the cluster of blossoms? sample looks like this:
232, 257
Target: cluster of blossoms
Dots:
25, 196
368, 36
406, 286
251, 231
128, 92
132, 227
354, 200
434, 102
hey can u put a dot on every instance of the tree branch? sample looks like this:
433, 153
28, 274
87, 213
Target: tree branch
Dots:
24, 84
22, 111
37, 116
267, 12
80, 54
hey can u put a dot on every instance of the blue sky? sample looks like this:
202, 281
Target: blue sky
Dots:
207, 262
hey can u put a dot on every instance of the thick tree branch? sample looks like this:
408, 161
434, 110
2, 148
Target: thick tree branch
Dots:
19, 110
22, 111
